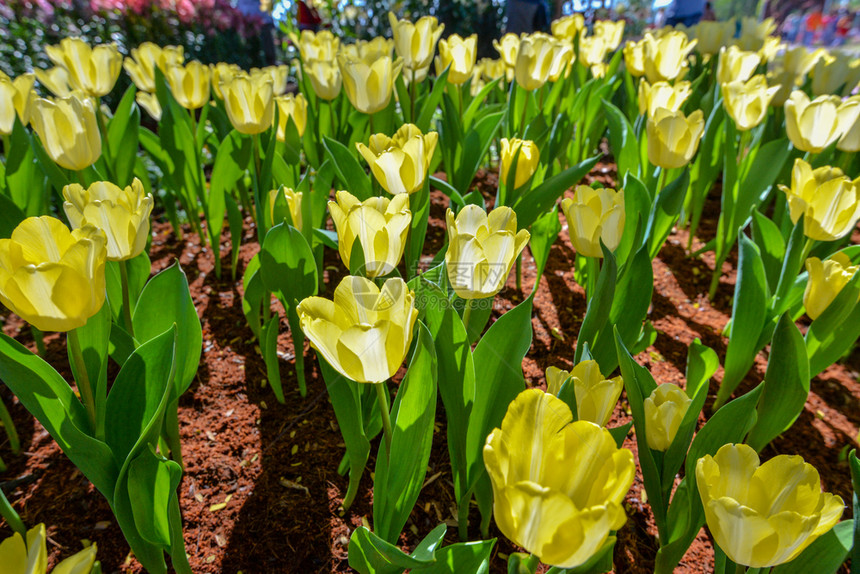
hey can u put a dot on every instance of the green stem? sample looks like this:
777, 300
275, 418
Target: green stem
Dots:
39, 337
106, 151
258, 204
592, 271
525, 112
12, 518
386, 418
9, 425
740, 569
83, 380
126, 299
520, 272
412, 98
715, 278
201, 181
467, 314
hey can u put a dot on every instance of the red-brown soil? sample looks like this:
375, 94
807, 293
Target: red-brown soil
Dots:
275, 466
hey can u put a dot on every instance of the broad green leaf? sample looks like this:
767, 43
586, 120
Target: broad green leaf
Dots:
350, 173
138, 269
623, 140
233, 158
771, 244
600, 305
665, 212
370, 554
541, 199
122, 135
825, 555
269, 348
833, 333
287, 264
461, 558
545, 231
152, 479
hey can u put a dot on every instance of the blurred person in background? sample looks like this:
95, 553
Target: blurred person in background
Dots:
308, 18
686, 12
527, 16
262, 10
709, 14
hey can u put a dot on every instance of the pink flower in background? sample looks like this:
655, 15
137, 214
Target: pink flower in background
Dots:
185, 11
107, 5
138, 6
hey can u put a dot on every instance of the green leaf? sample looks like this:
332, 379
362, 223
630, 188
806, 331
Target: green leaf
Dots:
825, 555
448, 190
665, 212
151, 481
233, 158
541, 199
234, 219
269, 349
287, 264
50, 399
370, 554
400, 473
255, 292
10, 216
623, 141
165, 301
350, 173
786, 385
461, 558
835, 331
431, 103
475, 147
748, 316
138, 269
94, 339
854, 464
545, 231
600, 305
122, 134
771, 244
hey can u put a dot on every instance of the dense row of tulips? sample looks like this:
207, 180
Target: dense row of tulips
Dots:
681, 109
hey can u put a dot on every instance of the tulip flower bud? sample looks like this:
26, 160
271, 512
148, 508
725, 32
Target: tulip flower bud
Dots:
833, 72
849, 122
813, 126
747, 103
592, 53
51, 277
150, 103
527, 156
189, 84
507, 48
596, 396
93, 71
458, 54
569, 27
482, 250
16, 98
291, 106
562, 56
674, 138
317, 46
665, 409
400, 164
221, 73
250, 103
294, 206
778, 505
68, 130
366, 331
735, 64
534, 60
325, 78
754, 33
611, 32
369, 50
492, 69
123, 214
634, 58
826, 280
55, 80
712, 36
555, 378
800, 61
379, 224
665, 58
32, 556
594, 215
416, 43
369, 83
560, 516
662, 95
828, 200
279, 74
770, 48
148, 57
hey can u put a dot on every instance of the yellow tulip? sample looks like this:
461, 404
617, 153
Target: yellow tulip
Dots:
833, 71
666, 57
562, 55
592, 52
250, 103
762, 515
482, 250
534, 61
813, 126
558, 484
754, 33
365, 332
527, 156
770, 48
68, 130
189, 84
317, 46
785, 82
16, 98
555, 378
291, 106
826, 280
492, 69
32, 557
800, 61
51, 277
611, 32
150, 103
148, 57
665, 409
93, 71
662, 95
379, 224
828, 200
712, 36
221, 73
747, 103
673, 138
458, 54
369, 83
735, 64
594, 215
370, 50
279, 74
325, 78
55, 80
123, 214
416, 43
634, 58
849, 121
569, 27
400, 163
507, 48
294, 206
595, 396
